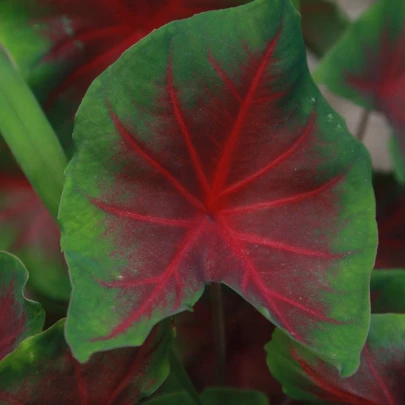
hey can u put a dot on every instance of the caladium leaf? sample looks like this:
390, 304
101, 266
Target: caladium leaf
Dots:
43, 371
61, 46
367, 65
208, 160
388, 291
19, 317
213, 396
323, 23
379, 380
28, 230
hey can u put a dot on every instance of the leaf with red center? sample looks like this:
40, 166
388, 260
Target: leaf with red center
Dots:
206, 154
388, 291
323, 22
43, 371
19, 317
378, 381
61, 46
27, 230
367, 65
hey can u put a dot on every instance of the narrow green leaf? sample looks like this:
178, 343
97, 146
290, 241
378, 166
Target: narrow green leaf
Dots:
213, 396
30, 136
42, 371
19, 318
207, 154
378, 381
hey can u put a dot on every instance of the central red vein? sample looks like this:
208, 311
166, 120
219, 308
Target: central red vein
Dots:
223, 165
184, 247
184, 130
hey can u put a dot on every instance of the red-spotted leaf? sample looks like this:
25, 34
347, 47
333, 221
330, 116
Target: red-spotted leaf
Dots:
19, 317
27, 230
367, 64
43, 371
323, 22
207, 154
378, 381
388, 291
61, 46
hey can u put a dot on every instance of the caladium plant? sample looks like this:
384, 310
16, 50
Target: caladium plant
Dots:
205, 156
378, 381
19, 317
178, 187
367, 65
47, 373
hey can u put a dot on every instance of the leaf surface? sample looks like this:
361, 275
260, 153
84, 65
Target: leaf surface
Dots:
213, 396
367, 65
202, 160
61, 46
27, 230
378, 381
19, 317
43, 371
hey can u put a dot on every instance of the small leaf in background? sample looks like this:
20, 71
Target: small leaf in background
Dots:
323, 23
28, 231
43, 371
378, 381
367, 65
247, 331
61, 46
202, 160
388, 291
213, 396
19, 317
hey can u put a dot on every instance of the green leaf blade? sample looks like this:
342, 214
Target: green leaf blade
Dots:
208, 168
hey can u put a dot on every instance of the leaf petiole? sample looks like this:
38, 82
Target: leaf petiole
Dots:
30, 136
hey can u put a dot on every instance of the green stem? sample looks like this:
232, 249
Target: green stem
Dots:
182, 377
362, 128
30, 136
219, 331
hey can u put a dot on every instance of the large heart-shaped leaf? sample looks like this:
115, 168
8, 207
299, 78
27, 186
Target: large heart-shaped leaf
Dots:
379, 380
388, 291
367, 64
62, 46
207, 154
19, 317
213, 396
27, 230
323, 22
43, 371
